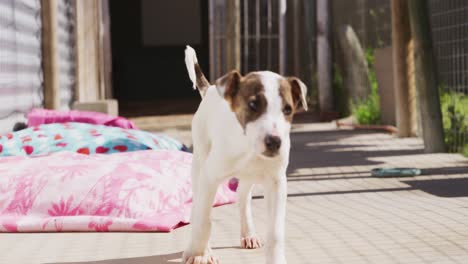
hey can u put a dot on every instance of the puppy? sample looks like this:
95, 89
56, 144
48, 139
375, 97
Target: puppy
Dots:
241, 129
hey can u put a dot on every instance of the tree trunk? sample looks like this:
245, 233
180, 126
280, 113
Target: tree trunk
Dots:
355, 69
426, 81
324, 59
401, 37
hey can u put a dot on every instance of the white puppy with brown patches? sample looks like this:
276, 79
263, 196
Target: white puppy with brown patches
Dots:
241, 129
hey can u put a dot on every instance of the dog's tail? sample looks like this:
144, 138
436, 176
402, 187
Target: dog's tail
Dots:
195, 72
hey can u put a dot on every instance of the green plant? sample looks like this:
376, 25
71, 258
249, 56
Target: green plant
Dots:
367, 111
454, 108
465, 151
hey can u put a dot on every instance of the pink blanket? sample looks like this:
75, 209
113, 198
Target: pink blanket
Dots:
133, 191
43, 116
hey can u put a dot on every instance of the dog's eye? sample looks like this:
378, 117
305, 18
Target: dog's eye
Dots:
253, 105
287, 110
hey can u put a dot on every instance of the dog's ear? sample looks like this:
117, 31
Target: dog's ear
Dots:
228, 86
299, 92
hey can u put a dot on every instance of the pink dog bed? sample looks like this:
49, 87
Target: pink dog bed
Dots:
43, 116
132, 191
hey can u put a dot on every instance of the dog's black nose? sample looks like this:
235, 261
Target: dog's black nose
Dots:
272, 143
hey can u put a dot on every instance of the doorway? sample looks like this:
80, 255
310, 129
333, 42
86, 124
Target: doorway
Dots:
148, 42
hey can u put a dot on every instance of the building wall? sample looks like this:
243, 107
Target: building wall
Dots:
21, 83
21, 58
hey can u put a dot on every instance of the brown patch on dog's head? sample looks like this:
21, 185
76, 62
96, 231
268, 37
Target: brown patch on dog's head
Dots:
245, 96
292, 93
298, 92
289, 105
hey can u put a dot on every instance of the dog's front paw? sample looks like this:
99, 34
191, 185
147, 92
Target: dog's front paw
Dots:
207, 258
251, 242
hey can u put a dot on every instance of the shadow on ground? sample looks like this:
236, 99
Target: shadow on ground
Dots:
159, 259
367, 174
338, 148
447, 188
308, 150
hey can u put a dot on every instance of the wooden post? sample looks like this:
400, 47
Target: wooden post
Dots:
324, 59
415, 118
105, 49
282, 36
233, 35
426, 80
88, 51
237, 34
296, 32
50, 54
211, 33
401, 37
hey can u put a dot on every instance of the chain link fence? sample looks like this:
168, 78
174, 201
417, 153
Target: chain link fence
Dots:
370, 19
449, 20
449, 25
371, 22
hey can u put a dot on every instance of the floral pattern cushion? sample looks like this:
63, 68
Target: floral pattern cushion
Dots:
82, 138
134, 191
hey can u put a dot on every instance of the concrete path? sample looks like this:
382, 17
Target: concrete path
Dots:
337, 212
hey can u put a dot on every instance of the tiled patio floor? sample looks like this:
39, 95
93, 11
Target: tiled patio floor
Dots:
337, 213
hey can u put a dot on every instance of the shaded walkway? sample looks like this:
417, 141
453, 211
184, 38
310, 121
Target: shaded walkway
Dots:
337, 212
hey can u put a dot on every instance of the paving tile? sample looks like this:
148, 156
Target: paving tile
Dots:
337, 212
